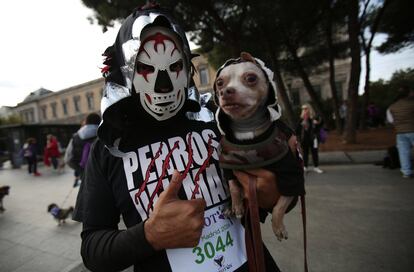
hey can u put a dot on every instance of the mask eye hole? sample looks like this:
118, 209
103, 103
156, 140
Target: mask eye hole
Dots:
144, 69
250, 79
177, 66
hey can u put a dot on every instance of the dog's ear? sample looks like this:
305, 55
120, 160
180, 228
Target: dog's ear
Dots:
50, 207
247, 57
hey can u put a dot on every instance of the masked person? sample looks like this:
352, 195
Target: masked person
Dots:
155, 165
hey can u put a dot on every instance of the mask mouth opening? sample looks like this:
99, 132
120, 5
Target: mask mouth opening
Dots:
164, 104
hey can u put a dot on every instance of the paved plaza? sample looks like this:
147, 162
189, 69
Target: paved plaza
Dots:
360, 218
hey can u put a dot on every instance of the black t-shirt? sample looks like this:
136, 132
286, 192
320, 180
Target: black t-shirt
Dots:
145, 159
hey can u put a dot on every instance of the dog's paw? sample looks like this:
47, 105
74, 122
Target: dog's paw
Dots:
238, 211
280, 232
228, 212
279, 228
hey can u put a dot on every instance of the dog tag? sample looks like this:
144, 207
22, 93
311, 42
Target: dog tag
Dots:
221, 246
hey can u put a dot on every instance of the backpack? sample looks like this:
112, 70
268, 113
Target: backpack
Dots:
85, 154
26, 151
77, 152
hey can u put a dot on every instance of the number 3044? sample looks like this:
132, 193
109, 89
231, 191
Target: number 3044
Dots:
210, 248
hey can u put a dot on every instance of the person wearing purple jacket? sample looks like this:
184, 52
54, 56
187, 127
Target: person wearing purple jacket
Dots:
29, 152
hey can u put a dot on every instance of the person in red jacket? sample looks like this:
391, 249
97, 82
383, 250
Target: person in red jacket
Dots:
52, 152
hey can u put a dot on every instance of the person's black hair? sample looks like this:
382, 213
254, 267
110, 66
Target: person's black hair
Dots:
93, 119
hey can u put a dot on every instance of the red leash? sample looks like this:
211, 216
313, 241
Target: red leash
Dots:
253, 235
303, 206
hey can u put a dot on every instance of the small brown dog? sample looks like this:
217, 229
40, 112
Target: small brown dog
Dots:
59, 214
253, 136
4, 190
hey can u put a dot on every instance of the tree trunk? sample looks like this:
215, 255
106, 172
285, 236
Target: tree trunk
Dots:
282, 94
367, 50
306, 82
331, 53
281, 88
353, 32
365, 100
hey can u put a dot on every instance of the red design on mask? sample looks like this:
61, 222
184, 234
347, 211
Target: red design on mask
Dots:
158, 38
148, 98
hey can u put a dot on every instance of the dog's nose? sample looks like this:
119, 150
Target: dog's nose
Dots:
227, 92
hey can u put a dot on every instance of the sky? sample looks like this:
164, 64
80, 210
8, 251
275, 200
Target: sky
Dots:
50, 44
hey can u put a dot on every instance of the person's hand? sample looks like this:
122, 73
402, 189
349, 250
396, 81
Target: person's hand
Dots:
267, 191
175, 223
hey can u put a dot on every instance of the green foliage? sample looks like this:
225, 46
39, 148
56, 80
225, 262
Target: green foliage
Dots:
384, 93
11, 120
398, 24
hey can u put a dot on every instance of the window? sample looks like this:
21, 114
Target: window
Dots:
44, 112
53, 106
65, 106
89, 99
76, 103
26, 117
204, 77
31, 115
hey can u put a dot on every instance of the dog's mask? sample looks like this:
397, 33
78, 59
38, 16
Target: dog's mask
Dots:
241, 89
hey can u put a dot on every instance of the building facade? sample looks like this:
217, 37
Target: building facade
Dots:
205, 74
71, 105
68, 106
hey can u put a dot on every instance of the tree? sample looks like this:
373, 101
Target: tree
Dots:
384, 93
369, 22
266, 28
335, 21
352, 8
398, 25
10, 120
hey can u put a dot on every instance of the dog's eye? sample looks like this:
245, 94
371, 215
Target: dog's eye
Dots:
219, 83
251, 79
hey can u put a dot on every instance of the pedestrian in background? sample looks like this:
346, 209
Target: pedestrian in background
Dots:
77, 151
52, 153
343, 111
308, 131
29, 153
401, 114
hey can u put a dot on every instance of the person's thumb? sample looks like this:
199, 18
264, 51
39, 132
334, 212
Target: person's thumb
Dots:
175, 184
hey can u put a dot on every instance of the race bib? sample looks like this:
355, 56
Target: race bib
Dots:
221, 247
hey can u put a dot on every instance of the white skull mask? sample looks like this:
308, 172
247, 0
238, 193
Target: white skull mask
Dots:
160, 76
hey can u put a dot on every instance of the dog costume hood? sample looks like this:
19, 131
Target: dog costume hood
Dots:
273, 107
119, 95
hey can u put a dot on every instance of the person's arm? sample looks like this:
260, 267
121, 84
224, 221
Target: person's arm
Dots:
174, 223
104, 247
114, 250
